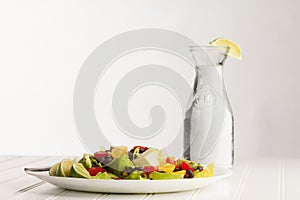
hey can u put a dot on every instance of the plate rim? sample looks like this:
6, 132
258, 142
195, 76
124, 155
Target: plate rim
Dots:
223, 175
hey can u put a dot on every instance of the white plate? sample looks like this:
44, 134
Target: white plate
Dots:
131, 186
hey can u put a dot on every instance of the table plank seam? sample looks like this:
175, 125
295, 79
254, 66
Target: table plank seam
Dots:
19, 176
12, 158
281, 185
19, 165
54, 196
31, 187
11, 179
239, 193
100, 196
195, 193
66, 191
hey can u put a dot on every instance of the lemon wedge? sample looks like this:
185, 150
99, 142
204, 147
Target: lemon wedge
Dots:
168, 168
179, 172
209, 171
234, 49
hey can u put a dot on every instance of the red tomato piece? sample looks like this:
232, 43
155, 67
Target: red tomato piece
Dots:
94, 170
100, 154
185, 166
142, 148
170, 160
149, 169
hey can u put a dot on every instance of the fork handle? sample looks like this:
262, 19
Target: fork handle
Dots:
39, 169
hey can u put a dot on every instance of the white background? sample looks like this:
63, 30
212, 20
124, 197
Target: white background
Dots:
44, 43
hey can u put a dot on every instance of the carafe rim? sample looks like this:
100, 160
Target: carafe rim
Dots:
195, 48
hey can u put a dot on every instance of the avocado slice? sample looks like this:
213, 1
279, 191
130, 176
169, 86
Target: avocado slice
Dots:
117, 165
164, 176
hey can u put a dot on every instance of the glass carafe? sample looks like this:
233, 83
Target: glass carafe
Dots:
208, 124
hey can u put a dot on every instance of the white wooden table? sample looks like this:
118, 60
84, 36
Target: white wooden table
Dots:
256, 179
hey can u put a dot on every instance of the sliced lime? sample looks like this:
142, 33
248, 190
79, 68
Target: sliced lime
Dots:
79, 171
65, 168
54, 169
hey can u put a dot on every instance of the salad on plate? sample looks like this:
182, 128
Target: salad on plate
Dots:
138, 163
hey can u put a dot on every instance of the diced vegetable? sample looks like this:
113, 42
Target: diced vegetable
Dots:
185, 166
149, 169
94, 170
